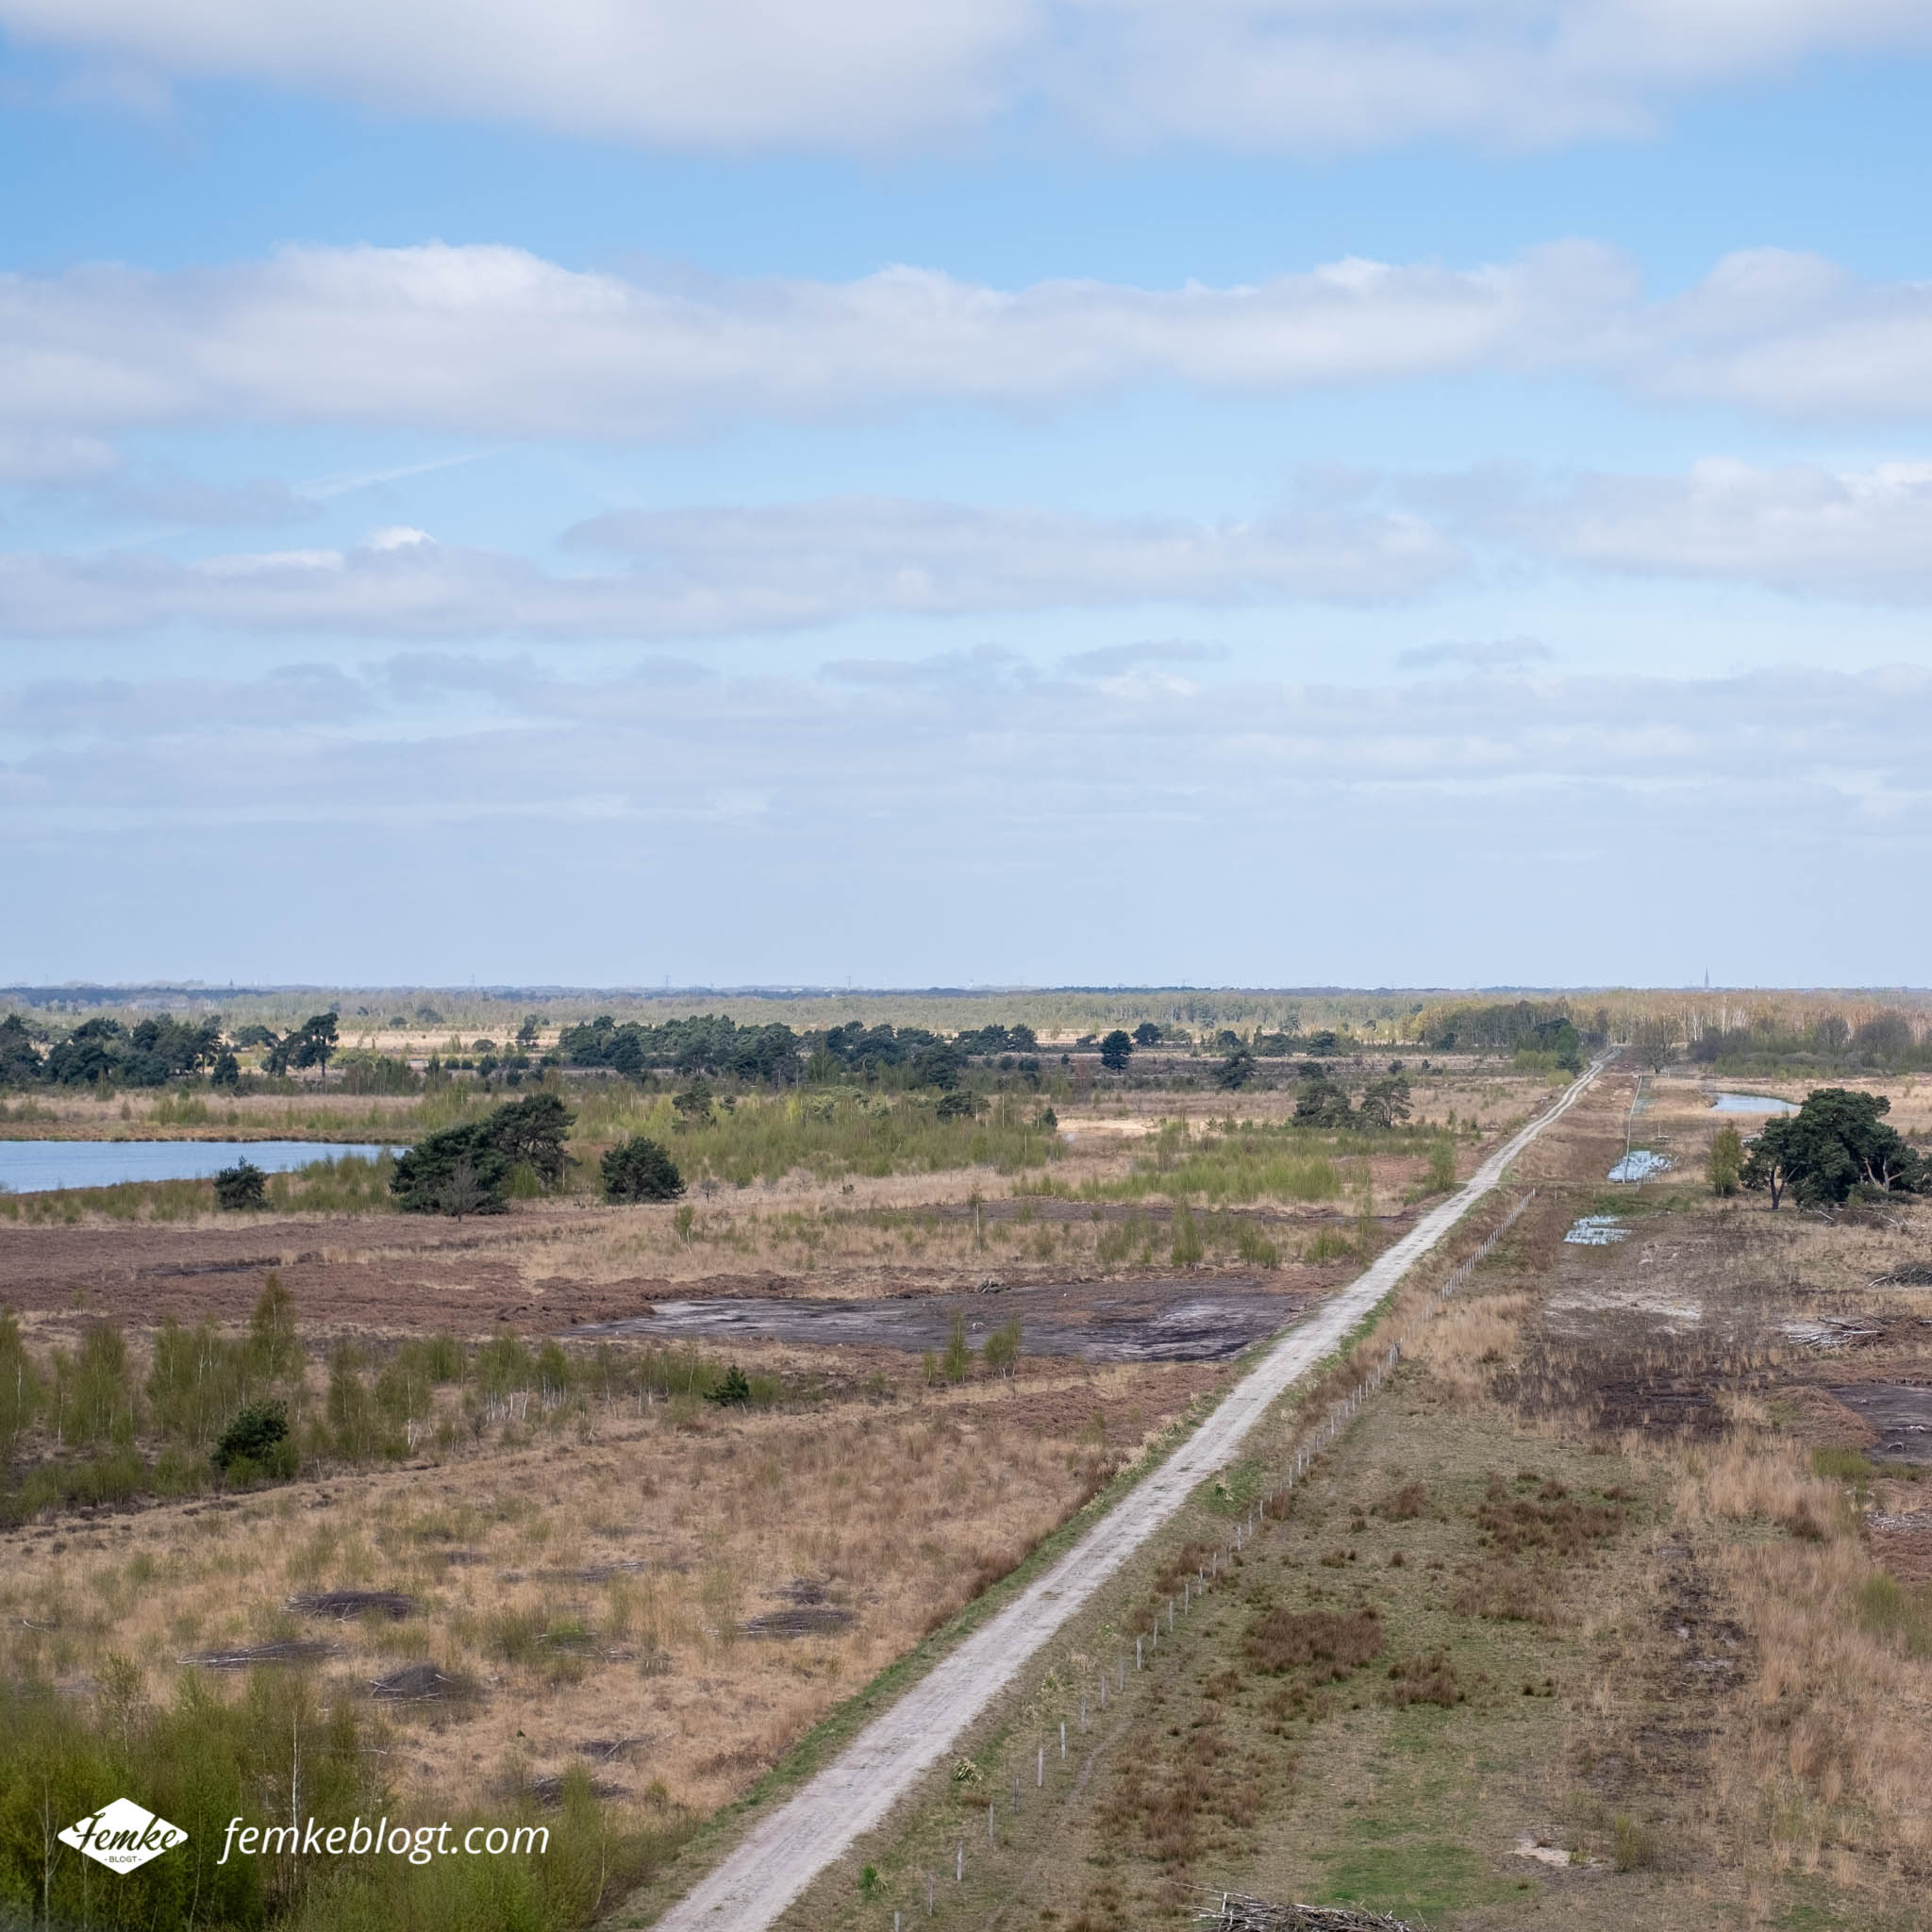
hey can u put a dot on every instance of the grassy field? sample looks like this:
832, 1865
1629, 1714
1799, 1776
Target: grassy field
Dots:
1600, 1613
591, 1596
1607, 1608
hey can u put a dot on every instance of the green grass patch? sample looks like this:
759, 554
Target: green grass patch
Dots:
1419, 1878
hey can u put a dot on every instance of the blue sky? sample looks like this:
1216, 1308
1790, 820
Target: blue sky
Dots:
1403, 492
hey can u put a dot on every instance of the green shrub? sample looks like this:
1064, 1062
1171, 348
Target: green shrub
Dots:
957, 1359
732, 1390
111, 1476
257, 1441
1002, 1351
457, 1172
640, 1170
1724, 1164
20, 1388
242, 1186
1187, 1248
1255, 1247
1841, 1465
829, 1135
1441, 1177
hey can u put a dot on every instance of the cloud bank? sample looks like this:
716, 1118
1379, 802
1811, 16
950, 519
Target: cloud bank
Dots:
703, 573
861, 76
1857, 534
494, 342
763, 822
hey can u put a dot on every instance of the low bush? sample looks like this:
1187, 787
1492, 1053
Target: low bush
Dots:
257, 1443
1002, 1351
1328, 1645
240, 1187
640, 1170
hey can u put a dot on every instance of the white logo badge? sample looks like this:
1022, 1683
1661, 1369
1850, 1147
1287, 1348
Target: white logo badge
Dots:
123, 1836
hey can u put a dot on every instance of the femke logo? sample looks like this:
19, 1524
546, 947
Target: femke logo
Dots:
124, 1836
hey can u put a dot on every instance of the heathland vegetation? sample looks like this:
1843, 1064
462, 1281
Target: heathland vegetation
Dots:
1610, 1608
386, 1529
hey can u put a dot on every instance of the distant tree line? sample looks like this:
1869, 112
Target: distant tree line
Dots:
1518, 1027
1887, 1040
152, 1053
158, 1052
704, 1044
714, 1046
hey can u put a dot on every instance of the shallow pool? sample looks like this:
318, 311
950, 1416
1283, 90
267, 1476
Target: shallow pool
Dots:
1751, 1103
38, 1167
1640, 1165
1596, 1231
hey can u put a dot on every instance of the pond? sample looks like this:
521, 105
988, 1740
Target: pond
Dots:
38, 1167
1751, 1103
1640, 1164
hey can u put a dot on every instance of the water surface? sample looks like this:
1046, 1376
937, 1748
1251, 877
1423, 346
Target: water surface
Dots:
1751, 1103
38, 1167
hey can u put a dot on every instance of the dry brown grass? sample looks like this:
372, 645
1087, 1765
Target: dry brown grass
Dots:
597, 1587
1833, 1732
1467, 1338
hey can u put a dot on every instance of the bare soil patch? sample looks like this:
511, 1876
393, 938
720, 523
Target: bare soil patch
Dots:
1168, 1319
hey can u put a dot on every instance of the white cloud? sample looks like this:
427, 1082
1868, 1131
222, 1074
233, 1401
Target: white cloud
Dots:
1112, 660
711, 572
493, 341
53, 456
1861, 535
1864, 534
825, 826
1787, 332
494, 338
861, 74
1500, 654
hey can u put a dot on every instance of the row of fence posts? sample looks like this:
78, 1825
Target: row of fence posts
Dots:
1208, 1573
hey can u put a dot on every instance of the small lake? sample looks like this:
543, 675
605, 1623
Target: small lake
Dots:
1751, 1103
38, 1167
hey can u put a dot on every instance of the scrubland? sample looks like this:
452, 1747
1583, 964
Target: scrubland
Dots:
1613, 1607
522, 1576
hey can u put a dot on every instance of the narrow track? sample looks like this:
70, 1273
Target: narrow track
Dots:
787, 1849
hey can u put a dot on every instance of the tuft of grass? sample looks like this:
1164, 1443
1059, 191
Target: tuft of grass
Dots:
1634, 1844
1327, 1244
1889, 1608
1186, 1248
1255, 1247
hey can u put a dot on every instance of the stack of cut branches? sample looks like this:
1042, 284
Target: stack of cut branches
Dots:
1235, 1912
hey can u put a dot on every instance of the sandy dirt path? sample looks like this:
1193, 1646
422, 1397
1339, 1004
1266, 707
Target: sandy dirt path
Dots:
786, 1850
